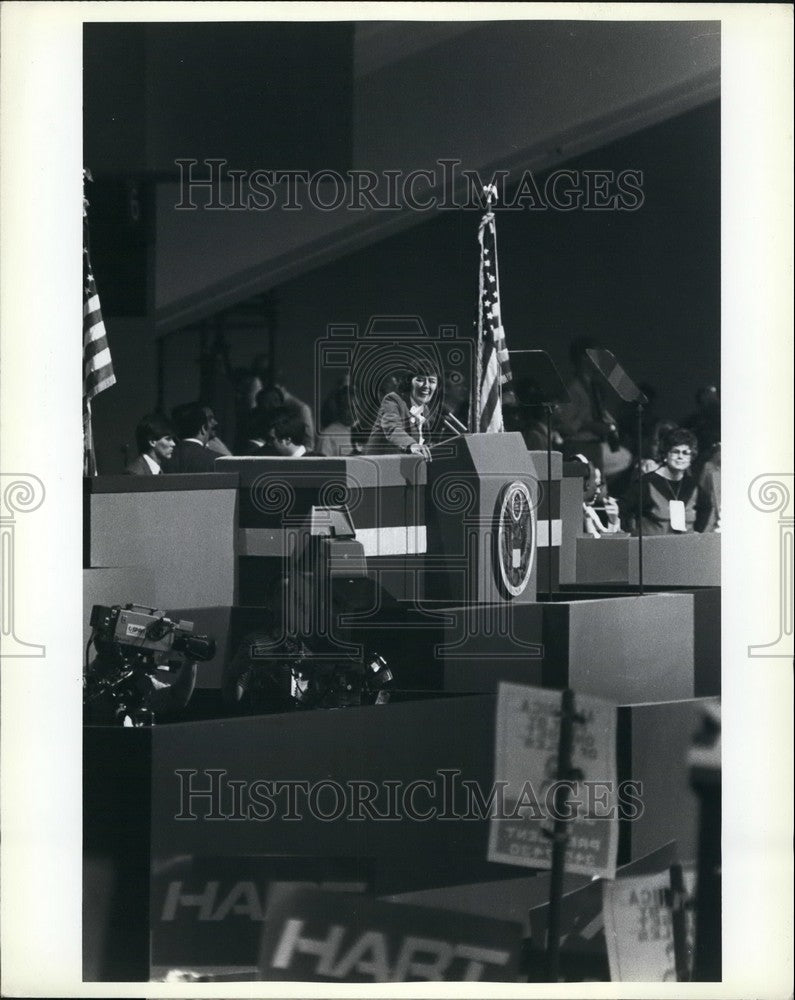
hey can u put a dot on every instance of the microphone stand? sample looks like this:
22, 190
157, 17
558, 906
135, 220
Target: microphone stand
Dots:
452, 424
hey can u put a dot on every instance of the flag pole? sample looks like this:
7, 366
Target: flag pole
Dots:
490, 191
474, 422
89, 459
493, 368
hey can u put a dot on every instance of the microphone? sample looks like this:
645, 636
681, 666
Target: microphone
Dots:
452, 423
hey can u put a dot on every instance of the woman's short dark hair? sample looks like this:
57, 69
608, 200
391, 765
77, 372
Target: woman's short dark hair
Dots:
271, 395
152, 427
288, 422
675, 437
413, 369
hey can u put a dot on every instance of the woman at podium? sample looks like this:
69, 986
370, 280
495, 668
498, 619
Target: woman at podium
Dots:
404, 417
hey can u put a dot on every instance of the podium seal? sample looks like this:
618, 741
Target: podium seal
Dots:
515, 539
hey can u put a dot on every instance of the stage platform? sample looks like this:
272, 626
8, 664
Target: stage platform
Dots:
688, 560
618, 646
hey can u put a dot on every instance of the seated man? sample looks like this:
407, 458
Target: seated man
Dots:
258, 441
601, 513
155, 441
264, 377
191, 453
215, 444
335, 437
287, 433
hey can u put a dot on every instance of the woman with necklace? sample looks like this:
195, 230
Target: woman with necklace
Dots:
405, 417
672, 502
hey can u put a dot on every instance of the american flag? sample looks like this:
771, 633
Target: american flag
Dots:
494, 369
97, 364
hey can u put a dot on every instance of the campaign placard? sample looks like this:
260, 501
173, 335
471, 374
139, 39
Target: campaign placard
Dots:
207, 913
639, 930
526, 782
583, 949
332, 937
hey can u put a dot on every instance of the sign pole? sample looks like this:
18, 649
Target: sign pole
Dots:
678, 922
560, 833
705, 778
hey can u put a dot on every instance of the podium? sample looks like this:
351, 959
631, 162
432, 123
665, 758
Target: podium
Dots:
481, 507
461, 529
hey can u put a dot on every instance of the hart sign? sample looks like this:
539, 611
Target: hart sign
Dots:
327, 937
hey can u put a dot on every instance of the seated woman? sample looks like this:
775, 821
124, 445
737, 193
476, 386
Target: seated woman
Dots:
403, 421
672, 501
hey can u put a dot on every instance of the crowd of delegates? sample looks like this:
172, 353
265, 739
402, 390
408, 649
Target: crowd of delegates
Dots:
680, 460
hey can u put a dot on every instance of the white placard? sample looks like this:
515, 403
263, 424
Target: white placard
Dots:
639, 930
526, 774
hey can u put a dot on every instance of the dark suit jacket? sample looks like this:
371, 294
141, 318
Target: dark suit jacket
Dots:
190, 456
138, 467
395, 428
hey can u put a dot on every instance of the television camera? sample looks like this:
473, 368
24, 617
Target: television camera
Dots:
270, 674
133, 645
